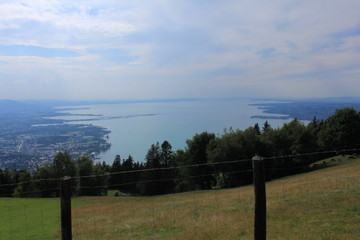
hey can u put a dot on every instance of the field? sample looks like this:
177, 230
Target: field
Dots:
323, 204
28, 218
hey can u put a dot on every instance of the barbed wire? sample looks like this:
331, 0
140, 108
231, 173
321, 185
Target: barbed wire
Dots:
173, 179
318, 180
286, 182
30, 181
279, 157
162, 180
336, 151
36, 191
197, 211
166, 168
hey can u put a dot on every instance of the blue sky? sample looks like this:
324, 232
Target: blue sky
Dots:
114, 49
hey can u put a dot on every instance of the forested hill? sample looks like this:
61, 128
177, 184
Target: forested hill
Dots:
208, 160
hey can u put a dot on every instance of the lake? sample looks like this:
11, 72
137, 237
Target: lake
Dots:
135, 126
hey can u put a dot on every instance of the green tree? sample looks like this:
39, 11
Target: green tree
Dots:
341, 130
158, 179
116, 178
182, 181
63, 165
231, 146
8, 178
266, 127
25, 187
84, 166
149, 180
167, 175
46, 185
101, 173
129, 177
166, 154
93, 180
153, 156
257, 129
202, 177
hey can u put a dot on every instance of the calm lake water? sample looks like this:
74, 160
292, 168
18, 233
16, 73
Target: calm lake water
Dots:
135, 126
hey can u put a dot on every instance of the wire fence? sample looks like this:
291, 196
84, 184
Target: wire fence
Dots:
322, 205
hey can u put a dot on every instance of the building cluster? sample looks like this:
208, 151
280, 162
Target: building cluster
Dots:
36, 148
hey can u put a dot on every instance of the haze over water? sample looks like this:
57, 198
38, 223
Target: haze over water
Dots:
135, 126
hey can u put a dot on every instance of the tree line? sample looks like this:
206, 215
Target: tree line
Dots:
212, 160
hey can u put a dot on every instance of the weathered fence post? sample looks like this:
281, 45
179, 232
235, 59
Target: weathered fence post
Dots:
260, 198
65, 199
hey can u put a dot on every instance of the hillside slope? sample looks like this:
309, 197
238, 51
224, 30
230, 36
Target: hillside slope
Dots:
323, 204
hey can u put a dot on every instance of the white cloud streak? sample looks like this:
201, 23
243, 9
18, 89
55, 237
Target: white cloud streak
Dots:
145, 49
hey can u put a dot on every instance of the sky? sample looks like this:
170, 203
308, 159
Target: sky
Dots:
141, 49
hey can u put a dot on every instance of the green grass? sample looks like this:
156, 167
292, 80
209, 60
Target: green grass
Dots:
335, 161
116, 193
28, 218
324, 204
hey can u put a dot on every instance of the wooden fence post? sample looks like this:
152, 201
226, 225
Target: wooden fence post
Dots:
260, 198
65, 199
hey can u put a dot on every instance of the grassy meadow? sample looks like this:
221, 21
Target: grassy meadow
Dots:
28, 218
323, 204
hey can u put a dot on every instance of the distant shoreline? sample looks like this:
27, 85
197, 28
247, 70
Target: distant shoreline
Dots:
270, 117
305, 110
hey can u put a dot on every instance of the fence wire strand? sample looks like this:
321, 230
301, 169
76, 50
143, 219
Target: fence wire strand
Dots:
159, 210
278, 157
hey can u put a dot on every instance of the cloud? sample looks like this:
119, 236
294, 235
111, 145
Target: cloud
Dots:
28, 50
142, 49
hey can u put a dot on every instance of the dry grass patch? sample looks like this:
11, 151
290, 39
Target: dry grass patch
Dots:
318, 205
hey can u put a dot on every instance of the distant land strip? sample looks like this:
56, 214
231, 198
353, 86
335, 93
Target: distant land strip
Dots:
270, 117
306, 109
109, 117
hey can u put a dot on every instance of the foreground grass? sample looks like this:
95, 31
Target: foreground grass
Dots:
324, 204
319, 205
28, 218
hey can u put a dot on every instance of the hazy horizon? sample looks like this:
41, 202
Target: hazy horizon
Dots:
181, 99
